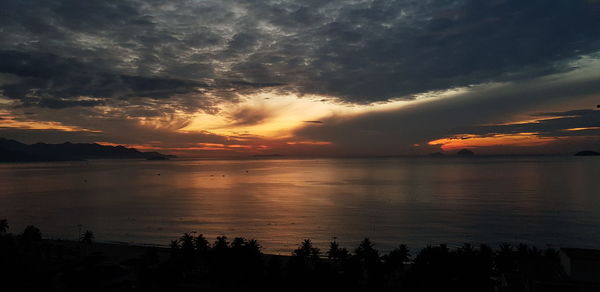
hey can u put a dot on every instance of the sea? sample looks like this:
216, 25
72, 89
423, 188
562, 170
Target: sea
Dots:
543, 201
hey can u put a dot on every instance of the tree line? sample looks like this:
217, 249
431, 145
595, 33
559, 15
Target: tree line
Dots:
193, 263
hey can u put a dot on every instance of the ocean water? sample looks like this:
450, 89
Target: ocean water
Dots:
547, 201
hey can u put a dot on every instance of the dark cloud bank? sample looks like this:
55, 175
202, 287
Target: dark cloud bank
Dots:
359, 51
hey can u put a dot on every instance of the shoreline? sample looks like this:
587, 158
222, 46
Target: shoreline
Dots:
118, 252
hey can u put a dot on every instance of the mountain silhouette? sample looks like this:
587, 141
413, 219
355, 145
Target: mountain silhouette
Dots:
14, 151
465, 153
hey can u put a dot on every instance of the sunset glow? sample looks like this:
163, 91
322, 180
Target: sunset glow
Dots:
8, 121
477, 141
582, 129
275, 116
302, 145
228, 78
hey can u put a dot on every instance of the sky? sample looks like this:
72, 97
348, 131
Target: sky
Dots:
220, 78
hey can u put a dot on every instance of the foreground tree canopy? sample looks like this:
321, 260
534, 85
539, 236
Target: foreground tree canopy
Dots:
193, 263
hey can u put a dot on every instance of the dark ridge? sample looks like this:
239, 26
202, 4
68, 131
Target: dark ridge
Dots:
14, 151
587, 153
465, 153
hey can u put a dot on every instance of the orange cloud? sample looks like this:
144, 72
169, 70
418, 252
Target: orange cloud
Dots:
473, 141
309, 143
210, 144
533, 121
582, 129
9, 121
193, 147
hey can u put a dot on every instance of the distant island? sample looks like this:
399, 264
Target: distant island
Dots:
14, 151
587, 153
465, 153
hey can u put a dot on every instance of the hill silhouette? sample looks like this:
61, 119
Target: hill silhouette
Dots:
14, 151
465, 153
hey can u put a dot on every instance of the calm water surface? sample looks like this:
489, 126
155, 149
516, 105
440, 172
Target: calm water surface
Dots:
543, 201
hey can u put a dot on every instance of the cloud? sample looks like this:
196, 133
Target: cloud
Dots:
555, 124
470, 111
47, 80
106, 127
247, 115
376, 50
358, 52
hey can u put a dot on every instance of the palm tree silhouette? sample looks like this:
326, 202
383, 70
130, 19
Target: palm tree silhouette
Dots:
253, 246
3, 226
336, 253
201, 244
221, 244
366, 251
31, 233
238, 243
398, 256
174, 246
87, 237
187, 245
306, 250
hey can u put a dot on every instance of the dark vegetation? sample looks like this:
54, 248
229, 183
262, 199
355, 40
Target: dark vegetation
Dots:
587, 153
14, 151
192, 263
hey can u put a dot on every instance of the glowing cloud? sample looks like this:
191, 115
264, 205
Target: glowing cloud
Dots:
476, 141
275, 116
9, 121
582, 129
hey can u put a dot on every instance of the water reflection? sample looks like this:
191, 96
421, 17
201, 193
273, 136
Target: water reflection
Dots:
280, 202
